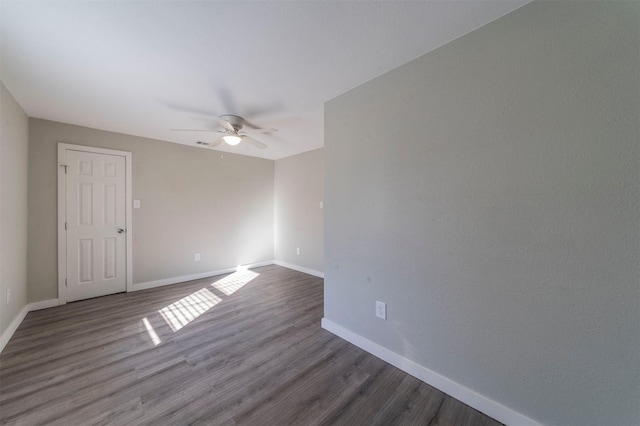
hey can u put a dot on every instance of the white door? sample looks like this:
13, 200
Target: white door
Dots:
96, 224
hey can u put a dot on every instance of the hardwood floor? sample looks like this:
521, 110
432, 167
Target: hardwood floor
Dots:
243, 349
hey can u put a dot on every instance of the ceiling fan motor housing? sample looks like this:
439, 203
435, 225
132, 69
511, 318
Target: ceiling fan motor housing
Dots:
236, 122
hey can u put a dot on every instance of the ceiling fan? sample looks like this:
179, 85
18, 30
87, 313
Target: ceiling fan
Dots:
232, 133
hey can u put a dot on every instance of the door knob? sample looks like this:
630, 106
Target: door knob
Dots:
120, 230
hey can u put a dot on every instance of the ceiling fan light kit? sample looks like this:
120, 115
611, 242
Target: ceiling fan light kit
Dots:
232, 139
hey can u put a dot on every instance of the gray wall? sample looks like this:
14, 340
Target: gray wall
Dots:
193, 201
14, 144
299, 220
489, 193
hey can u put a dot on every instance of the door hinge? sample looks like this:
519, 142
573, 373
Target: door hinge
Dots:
65, 226
65, 282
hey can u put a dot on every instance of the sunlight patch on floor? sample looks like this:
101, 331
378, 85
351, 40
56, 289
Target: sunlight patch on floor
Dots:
187, 309
232, 283
151, 331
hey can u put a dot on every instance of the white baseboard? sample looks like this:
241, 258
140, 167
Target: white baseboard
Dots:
43, 304
473, 399
13, 326
175, 280
299, 268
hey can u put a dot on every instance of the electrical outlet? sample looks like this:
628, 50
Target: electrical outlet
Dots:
322, 204
196, 257
8, 295
298, 251
381, 310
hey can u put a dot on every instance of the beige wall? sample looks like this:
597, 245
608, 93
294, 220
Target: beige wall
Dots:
489, 193
299, 220
193, 201
14, 143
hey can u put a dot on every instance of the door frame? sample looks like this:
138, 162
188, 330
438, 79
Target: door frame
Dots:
62, 213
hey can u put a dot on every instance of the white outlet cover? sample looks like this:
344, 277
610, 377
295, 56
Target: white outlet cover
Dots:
196, 257
136, 204
381, 310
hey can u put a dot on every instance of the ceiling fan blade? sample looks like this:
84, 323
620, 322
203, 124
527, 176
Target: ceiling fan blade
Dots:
259, 129
255, 111
225, 124
232, 107
262, 131
252, 141
227, 101
197, 130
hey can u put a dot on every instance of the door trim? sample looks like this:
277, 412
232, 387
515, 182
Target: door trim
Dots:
62, 212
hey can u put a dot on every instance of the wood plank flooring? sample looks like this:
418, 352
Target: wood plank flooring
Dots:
242, 349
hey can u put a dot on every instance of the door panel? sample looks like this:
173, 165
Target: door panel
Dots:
96, 210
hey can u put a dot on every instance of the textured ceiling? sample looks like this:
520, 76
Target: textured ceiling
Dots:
145, 67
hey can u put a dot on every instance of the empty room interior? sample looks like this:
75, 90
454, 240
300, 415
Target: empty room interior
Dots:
340, 212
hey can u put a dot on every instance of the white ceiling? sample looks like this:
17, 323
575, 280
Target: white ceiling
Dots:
145, 67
